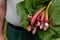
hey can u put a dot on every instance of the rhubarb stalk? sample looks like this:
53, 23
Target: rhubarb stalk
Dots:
35, 28
42, 20
46, 17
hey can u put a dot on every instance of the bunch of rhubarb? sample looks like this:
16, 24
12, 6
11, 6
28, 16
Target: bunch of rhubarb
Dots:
40, 16
39, 20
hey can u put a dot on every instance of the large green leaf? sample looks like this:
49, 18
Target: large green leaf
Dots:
22, 12
51, 34
55, 12
29, 6
46, 35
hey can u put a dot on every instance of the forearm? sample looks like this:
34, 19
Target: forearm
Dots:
2, 14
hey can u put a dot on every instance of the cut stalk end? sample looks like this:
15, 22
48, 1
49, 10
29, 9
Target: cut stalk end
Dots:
34, 31
29, 28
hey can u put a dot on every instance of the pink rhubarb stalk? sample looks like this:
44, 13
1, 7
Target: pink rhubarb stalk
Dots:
46, 17
34, 30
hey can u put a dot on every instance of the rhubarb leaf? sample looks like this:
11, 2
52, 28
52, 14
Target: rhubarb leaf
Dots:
58, 39
29, 6
32, 5
46, 35
51, 34
22, 12
54, 12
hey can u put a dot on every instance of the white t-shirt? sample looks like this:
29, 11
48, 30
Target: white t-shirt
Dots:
11, 15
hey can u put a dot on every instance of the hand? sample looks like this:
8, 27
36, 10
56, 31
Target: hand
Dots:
1, 37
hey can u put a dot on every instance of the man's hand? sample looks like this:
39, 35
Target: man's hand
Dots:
2, 37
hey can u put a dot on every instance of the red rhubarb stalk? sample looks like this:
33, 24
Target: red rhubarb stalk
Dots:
38, 18
45, 21
42, 20
34, 30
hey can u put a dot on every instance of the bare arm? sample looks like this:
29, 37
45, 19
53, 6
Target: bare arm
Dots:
2, 14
